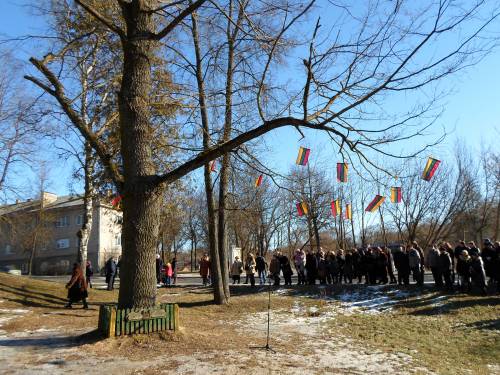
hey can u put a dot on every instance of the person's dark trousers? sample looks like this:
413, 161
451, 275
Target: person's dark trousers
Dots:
111, 281
416, 274
400, 277
329, 277
89, 281
277, 279
448, 282
246, 279
391, 275
252, 279
438, 277
288, 279
301, 278
406, 279
236, 279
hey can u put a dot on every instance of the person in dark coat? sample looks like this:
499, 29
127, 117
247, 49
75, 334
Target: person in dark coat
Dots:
173, 263
488, 253
390, 266
402, 264
341, 265
349, 267
77, 287
445, 267
422, 262
496, 265
477, 273
332, 267
322, 268
110, 269
286, 268
473, 249
159, 268
463, 271
275, 268
381, 265
261, 267
370, 261
311, 267
89, 272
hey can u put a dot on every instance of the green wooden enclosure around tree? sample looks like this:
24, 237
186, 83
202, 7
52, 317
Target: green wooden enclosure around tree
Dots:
119, 322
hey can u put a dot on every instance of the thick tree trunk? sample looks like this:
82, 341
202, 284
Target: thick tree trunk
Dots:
141, 193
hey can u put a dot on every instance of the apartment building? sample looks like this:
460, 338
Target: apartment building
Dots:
49, 225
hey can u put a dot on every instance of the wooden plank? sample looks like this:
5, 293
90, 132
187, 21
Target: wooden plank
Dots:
127, 324
118, 330
112, 322
176, 317
170, 317
123, 325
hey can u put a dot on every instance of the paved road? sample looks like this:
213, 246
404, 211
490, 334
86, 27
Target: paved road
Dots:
183, 279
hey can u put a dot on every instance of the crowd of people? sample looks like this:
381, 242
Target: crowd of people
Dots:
464, 265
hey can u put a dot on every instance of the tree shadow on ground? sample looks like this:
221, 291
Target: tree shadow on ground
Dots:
53, 342
32, 298
447, 306
492, 324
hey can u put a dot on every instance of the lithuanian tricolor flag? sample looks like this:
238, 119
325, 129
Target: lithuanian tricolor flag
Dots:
303, 156
375, 203
342, 172
348, 212
302, 208
430, 168
258, 181
212, 165
396, 196
336, 210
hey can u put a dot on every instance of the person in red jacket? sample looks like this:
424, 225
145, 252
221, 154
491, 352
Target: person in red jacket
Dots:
77, 287
205, 269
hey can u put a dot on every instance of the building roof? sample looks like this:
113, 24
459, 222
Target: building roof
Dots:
34, 204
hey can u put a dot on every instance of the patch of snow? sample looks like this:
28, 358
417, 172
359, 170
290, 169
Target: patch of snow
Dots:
14, 311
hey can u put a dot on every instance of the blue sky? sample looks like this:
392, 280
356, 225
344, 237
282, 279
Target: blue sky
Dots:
471, 114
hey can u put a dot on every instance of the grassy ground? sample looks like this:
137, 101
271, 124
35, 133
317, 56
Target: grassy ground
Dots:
446, 334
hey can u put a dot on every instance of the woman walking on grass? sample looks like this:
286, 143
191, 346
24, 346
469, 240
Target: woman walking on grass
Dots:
77, 287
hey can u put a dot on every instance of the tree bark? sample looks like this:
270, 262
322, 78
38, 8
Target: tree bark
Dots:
217, 281
84, 232
141, 195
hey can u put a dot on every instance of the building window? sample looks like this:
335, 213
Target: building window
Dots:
79, 220
8, 250
63, 243
62, 222
118, 240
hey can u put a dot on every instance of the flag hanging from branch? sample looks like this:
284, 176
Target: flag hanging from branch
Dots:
212, 165
430, 168
336, 207
375, 203
303, 156
342, 169
348, 212
396, 196
302, 208
116, 200
258, 181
